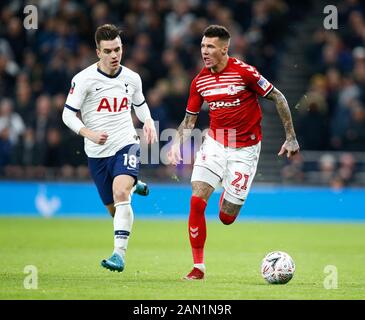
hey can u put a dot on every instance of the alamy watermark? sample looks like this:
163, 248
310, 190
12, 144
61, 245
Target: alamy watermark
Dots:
157, 153
31, 17
331, 280
31, 280
331, 20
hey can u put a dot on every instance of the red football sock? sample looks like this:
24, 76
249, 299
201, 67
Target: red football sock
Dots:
197, 228
226, 218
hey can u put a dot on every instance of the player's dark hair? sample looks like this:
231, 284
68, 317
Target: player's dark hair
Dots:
217, 31
106, 32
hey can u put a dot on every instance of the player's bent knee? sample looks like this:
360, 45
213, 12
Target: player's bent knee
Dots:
226, 218
121, 195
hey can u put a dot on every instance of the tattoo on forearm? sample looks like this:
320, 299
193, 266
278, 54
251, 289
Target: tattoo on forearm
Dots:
184, 130
284, 111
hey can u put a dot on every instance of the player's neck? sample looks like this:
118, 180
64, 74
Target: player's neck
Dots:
109, 72
220, 66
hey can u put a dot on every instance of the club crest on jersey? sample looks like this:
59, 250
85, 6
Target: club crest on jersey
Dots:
231, 90
113, 106
263, 83
72, 87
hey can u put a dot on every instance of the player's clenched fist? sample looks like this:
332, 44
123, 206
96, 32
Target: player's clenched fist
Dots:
98, 137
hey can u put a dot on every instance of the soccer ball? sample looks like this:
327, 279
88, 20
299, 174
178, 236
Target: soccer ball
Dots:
277, 267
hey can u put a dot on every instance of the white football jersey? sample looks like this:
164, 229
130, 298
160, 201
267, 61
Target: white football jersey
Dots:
105, 103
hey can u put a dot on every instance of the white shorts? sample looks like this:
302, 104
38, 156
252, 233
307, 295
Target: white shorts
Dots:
234, 168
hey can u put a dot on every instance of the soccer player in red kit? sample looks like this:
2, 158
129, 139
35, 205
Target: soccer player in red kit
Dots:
230, 151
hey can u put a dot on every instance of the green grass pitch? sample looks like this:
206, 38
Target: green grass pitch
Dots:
67, 254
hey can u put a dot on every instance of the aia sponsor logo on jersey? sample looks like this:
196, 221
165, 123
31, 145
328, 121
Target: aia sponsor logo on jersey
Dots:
222, 104
113, 105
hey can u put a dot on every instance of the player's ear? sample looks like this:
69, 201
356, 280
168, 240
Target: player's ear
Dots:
225, 47
224, 50
98, 52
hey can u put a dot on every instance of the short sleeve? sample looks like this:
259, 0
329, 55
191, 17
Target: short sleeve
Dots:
76, 95
255, 81
138, 98
195, 100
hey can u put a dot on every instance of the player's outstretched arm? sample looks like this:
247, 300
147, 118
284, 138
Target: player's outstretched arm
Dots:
290, 146
149, 131
183, 133
144, 115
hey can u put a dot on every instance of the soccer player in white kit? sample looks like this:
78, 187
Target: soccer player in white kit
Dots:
230, 152
104, 93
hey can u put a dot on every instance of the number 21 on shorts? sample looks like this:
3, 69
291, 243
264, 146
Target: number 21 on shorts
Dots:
240, 183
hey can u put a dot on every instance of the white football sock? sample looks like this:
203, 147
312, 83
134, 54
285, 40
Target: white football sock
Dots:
123, 221
200, 266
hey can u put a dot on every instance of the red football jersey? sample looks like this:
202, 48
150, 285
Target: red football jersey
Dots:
234, 110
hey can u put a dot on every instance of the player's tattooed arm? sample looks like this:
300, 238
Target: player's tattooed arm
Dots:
290, 145
183, 133
284, 112
185, 128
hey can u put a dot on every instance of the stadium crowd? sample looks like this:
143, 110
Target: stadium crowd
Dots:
332, 112
161, 41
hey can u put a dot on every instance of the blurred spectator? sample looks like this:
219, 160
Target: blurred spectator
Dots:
55, 77
7, 75
347, 168
41, 121
293, 171
5, 148
354, 139
333, 87
42, 118
54, 156
337, 183
101, 14
11, 120
24, 103
157, 108
312, 127
16, 38
178, 22
327, 169
25, 157
26, 153
342, 113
